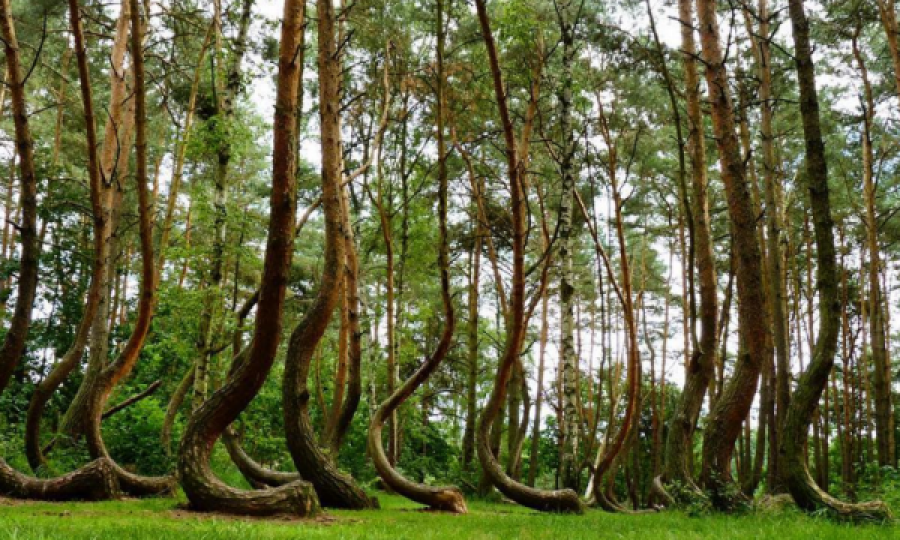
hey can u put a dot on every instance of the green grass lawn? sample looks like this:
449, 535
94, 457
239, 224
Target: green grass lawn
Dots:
162, 519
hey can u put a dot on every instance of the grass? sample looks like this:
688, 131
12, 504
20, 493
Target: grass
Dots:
399, 519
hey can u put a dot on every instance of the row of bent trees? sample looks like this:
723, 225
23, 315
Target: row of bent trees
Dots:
319, 482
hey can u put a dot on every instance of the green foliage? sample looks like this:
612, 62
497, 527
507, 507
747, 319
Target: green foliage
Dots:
133, 437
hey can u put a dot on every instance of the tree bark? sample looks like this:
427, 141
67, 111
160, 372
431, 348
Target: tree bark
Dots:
726, 418
774, 281
334, 488
882, 380
114, 161
569, 358
701, 368
610, 453
556, 501
813, 381
96, 480
72, 358
472, 347
204, 491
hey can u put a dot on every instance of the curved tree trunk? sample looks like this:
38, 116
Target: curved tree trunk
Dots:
204, 491
813, 381
114, 162
612, 451
127, 359
727, 417
334, 488
258, 476
438, 498
45, 389
96, 480
701, 368
564, 500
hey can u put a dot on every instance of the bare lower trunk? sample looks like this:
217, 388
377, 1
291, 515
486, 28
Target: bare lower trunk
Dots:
701, 368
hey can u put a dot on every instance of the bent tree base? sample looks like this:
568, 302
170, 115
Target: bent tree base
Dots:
209, 494
96, 481
254, 473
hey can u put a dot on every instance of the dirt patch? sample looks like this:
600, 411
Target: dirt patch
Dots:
14, 502
323, 519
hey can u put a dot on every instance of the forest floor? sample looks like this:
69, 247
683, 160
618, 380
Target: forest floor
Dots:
399, 519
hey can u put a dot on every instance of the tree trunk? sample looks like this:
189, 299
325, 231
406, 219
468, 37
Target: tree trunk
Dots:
884, 425
776, 286
438, 498
813, 381
611, 452
472, 349
204, 491
128, 357
569, 357
888, 13
114, 161
345, 408
700, 370
334, 488
94, 481
539, 400
258, 476
71, 360
726, 418
558, 501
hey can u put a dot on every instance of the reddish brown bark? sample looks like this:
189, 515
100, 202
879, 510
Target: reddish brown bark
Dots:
334, 488
732, 407
204, 491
